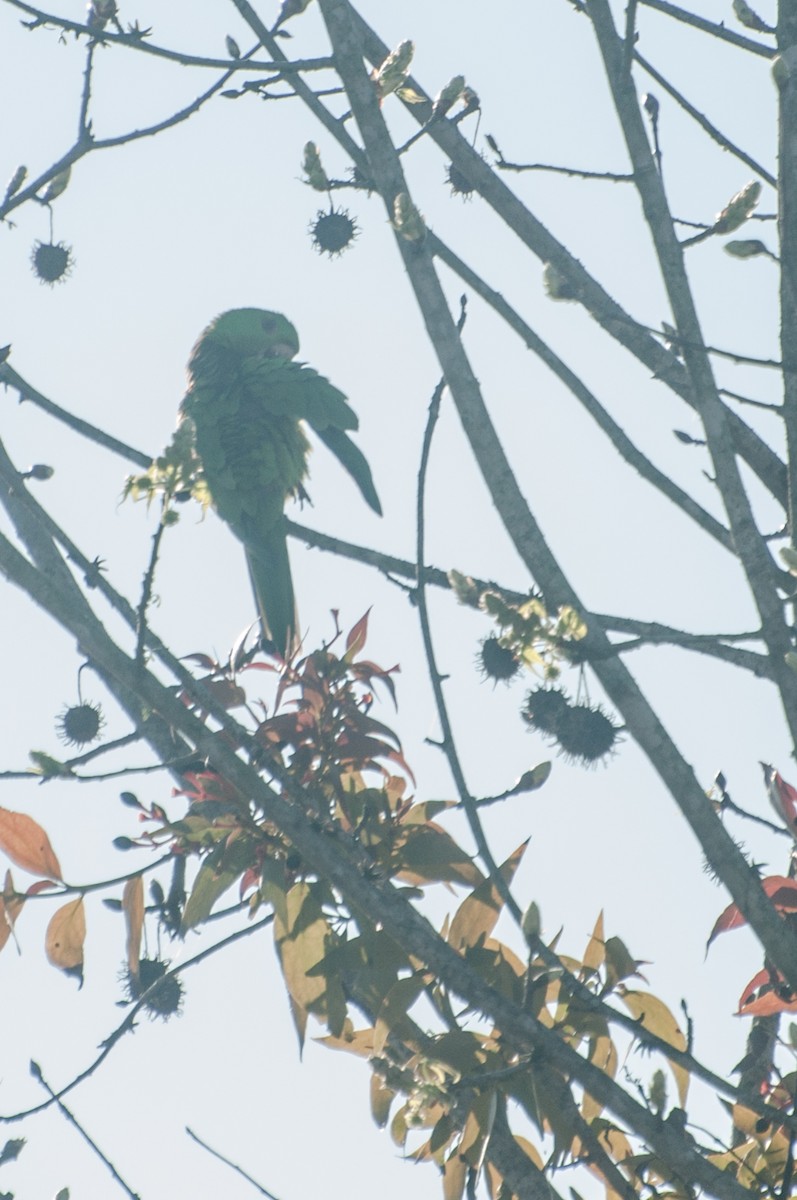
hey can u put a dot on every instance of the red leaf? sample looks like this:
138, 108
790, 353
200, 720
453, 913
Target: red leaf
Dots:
207, 785
767, 993
782, 796
202, 660
356, 639
781, 891
367, 670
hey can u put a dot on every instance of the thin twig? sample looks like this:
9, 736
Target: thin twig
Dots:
229, 1163
716, 30
128, 1024
520, 524
704, 122
613, 430
10, 378
504, 164
84, 125
630, 38
36, 1072
449, 744
664, 364
147, 586
137, 41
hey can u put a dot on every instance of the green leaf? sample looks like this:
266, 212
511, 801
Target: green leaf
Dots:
427, 854
213, 879
397, 1004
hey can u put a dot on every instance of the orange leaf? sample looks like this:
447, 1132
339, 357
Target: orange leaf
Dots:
781, 891
133, 908
27, 845
66, 934
767, 993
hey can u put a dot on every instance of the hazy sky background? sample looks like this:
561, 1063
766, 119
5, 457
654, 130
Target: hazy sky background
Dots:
170, 231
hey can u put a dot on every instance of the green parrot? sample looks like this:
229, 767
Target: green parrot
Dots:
248, 401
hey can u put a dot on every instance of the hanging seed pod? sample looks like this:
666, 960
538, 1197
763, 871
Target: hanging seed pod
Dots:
333, 231
544, 710
80, 724
496, 661
52, 262
585, 734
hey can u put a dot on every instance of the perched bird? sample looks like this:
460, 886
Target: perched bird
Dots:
247, 401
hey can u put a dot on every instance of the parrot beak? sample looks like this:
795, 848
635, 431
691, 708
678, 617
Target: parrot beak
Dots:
281, 350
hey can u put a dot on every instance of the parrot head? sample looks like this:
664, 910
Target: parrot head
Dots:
254, 331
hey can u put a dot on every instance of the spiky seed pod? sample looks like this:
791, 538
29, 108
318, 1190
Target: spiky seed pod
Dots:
585, 734
497, 662
166, 997
459, 182
52, 262
333, 231
544, 709
80, 724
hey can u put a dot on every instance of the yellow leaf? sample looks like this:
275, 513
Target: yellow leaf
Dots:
454, 1175
476, 917
381, 1099
302, 942
653, 1014
133, 908
410, 96
27, 845
603, 1054
595, 952
355, 1041
478, 1127
66, 934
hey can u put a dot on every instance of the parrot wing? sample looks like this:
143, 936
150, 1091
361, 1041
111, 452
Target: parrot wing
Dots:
353, 459
291, 389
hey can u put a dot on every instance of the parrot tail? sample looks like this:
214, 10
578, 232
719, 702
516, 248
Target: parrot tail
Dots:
270, 572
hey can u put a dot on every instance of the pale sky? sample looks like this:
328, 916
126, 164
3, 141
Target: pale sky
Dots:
170, 231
